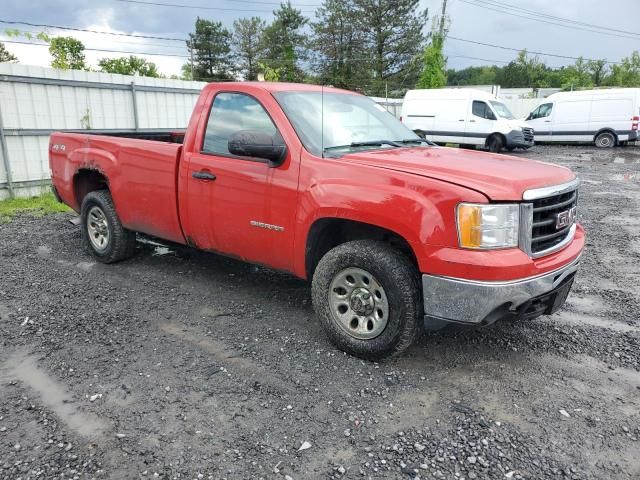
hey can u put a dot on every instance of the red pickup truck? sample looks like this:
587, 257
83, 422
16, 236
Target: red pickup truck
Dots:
394, 234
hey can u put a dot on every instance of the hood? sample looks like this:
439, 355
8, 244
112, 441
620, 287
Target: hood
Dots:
499, 177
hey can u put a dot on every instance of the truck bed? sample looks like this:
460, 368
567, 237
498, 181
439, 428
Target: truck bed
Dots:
141, 172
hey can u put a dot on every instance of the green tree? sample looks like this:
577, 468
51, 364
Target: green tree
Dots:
524, 71
577, 76
185, 71
338, 45
434, 73
5, 55
131, 65
248, 45
67, 53
393, 41
210, 47
598, 70
285, 43
627, 73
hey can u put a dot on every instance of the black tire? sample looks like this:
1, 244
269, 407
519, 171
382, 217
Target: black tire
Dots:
605, 140
400, 280
495, 143
120, 243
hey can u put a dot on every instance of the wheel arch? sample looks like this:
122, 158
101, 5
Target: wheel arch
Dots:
329, 232
494, 134
606, 130
87, 180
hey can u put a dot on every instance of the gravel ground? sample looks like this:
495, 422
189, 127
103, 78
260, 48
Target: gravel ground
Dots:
180, 364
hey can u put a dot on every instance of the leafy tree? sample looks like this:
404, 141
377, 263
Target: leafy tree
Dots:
131, 65
627, 74
598, 70
5, 55
434, 73
210, 47
285, 44
393, 39
248, 46
524, 71
185, 71
338, 45
577, 76
472, 76
67, 53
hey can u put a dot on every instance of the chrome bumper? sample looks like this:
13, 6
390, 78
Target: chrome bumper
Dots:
448, 300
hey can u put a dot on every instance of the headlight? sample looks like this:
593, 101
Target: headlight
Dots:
486, 226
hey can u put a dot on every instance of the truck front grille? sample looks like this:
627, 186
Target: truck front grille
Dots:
547, 230
528, 134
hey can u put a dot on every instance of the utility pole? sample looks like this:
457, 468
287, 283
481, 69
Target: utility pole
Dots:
443, 19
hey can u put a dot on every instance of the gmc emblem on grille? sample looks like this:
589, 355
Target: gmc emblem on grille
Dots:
566, 218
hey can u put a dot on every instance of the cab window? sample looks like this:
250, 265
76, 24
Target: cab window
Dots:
232, 113
482, 110
542, 111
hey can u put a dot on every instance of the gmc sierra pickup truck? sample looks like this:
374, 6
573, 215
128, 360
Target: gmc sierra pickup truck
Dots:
394, 234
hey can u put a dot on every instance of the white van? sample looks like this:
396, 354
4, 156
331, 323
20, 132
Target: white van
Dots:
466, 117
604, 117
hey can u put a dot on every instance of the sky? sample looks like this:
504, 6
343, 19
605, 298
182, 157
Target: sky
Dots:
486, 23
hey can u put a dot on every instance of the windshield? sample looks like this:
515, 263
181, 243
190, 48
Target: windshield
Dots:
346, 123
502, 110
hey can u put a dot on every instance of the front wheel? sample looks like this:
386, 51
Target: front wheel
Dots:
495, 143
368, 298
102, 230
605, 140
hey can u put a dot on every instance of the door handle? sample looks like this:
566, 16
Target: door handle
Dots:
461, 120
203, 175
547, 121
472, 121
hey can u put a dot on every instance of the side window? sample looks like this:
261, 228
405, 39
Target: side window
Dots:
482, 110
535, 114
544, 110
232, 113
479, 109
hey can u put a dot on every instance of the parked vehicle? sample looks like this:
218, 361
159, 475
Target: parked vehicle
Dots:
392, 232
464, 116
603, 117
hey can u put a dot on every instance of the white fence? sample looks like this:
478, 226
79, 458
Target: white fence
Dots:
36, 101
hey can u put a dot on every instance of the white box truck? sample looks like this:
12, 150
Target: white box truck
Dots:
464, 116
605, 117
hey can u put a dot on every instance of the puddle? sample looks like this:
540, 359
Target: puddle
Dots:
24, 367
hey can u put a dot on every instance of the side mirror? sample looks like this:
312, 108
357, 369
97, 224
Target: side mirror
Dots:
529, 117
490, 115
256, 144
421, 133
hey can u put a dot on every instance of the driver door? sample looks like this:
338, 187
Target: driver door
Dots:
238, 205
481, 123
541, 122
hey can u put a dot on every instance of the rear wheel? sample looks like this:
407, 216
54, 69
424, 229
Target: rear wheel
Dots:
106, 238
495, 143
367, 296
605, 140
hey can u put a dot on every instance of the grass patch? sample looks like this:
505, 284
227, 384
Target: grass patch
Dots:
37, 206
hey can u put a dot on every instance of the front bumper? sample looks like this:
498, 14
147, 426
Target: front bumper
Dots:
518, 139
469, 302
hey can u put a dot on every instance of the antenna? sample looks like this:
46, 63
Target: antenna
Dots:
322, 119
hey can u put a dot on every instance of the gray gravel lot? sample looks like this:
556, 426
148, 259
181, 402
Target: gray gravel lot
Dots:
180, 364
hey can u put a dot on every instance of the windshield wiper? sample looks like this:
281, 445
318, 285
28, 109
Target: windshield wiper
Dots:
375, 143
415, 140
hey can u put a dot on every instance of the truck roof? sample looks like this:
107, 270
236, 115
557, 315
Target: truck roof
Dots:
277, 87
